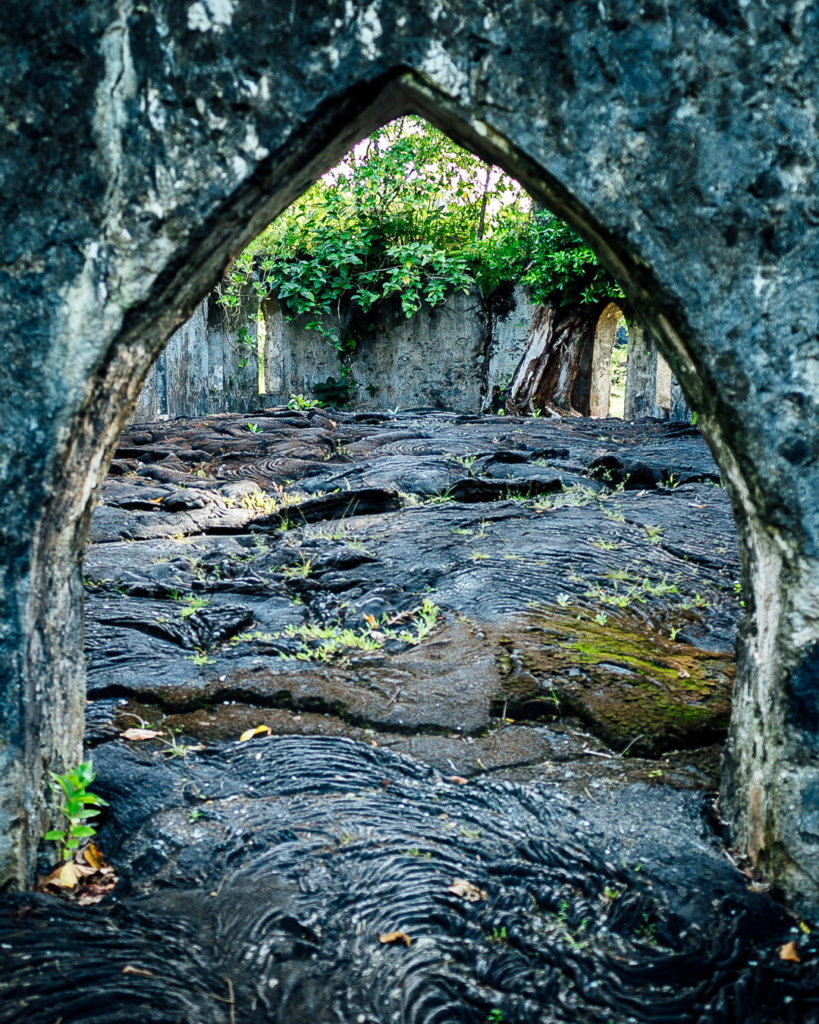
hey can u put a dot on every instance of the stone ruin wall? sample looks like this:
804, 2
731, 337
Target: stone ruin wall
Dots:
449, 356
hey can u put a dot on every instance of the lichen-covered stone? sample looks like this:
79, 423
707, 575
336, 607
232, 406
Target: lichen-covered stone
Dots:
632, 686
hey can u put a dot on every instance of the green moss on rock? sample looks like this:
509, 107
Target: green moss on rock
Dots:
627, 682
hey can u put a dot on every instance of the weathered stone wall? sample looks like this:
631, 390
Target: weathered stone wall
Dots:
447, 356
146, 144
209, 365
651, 387
451, 356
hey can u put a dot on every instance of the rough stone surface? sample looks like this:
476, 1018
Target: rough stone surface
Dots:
605, 886
460, 354
584, 573
209, 365
651, 387
266, 881
447, 356
678, 137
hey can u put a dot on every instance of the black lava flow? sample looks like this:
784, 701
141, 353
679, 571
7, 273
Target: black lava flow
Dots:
259, 879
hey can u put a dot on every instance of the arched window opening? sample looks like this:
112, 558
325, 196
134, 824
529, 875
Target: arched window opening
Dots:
129, 267
411, 274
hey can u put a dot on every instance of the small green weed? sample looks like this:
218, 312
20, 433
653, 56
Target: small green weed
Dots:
334, 641
467, 461
300, 402
576, 496
78, 806
192, 604
646, 930
301, 570
259, 501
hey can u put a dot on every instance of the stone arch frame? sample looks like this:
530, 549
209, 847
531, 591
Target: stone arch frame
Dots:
591, 392
167, 181
603, 346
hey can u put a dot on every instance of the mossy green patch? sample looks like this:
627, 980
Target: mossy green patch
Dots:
627, 682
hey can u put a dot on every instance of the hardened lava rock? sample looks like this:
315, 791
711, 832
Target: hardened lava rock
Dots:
309, 880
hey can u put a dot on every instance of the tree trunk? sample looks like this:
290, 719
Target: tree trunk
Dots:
544, 377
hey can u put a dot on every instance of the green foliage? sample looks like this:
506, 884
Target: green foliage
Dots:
333, 641
78, 806
300, 402
410, 214
334, 392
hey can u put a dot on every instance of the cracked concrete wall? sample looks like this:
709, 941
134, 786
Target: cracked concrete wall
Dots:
209, 365
446, 357
146, 144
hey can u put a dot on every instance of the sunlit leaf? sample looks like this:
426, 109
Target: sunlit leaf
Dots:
248, 734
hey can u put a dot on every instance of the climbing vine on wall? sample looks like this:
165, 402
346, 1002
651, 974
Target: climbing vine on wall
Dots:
409, 214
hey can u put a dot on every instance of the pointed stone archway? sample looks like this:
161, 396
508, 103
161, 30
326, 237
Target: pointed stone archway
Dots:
604, 337
176, 130
591, 392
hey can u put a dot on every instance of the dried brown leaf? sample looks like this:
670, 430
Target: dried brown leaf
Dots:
395, 937
92, 856
140, 734
64, 877
467, 891
788, 952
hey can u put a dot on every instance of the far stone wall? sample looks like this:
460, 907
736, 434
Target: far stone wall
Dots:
208, 366
651, 387
447, 356
457, 355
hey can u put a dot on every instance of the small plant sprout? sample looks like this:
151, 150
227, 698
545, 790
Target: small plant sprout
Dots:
301, 570
253, 428
300, 402
193, 604
601, 618
78, 806
563, 600
653, 533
